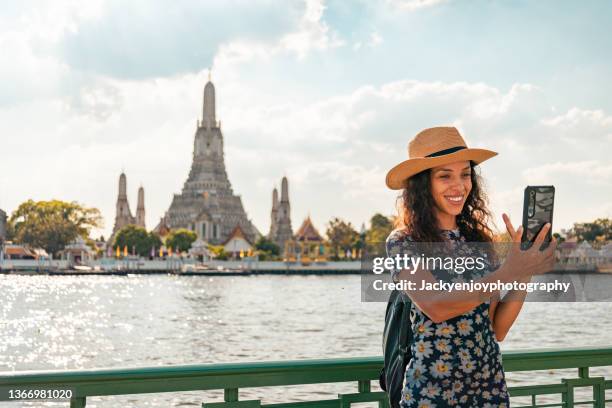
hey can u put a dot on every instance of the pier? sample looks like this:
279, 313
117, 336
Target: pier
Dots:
244, 267
178, 266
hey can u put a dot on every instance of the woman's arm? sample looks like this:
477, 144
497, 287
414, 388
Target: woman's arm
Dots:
440, 306
503, 314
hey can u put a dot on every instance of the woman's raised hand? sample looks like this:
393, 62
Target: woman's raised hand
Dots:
515, 235
532, 261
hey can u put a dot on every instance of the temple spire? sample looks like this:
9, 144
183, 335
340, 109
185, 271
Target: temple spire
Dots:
283, 230
122, 186
140, 209
208, 111
123, 215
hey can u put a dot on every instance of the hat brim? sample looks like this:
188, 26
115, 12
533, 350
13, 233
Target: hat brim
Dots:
398, 175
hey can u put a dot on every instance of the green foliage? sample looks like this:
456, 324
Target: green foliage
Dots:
137, 238
52, 225
181, 239
598, 230
558, 237
218, 252
380, 228
341, 236
266, 249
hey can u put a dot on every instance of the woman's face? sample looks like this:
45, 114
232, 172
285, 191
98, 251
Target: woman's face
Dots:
450, 186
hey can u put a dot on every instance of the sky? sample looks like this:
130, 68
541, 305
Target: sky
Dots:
328, 93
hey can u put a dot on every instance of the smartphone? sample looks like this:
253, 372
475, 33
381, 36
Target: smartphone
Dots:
538, 206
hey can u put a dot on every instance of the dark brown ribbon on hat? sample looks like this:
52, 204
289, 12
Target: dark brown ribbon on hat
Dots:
446, 151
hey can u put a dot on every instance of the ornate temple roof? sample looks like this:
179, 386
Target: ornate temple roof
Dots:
307, 232
237, 232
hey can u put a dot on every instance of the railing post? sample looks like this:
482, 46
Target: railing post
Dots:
568, 396
599, 395
230, 394
77, 402
364, 386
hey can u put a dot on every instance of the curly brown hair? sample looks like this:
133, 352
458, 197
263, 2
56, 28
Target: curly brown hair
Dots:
416, 210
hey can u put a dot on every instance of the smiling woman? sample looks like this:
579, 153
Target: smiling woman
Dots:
456, 358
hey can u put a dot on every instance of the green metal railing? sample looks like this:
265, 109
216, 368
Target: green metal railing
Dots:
232, 377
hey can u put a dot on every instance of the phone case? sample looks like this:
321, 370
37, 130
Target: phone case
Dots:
538, 204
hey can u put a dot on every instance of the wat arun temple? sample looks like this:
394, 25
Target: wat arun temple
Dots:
207, 204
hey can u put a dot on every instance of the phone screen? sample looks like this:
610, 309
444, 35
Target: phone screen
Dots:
537, 210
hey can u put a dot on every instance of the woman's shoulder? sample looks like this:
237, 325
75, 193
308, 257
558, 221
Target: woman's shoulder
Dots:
398, 235
397, 240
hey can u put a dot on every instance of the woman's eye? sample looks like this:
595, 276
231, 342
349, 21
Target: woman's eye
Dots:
466, 175
444, 176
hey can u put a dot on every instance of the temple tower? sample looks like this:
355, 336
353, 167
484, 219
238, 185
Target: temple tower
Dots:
140, 209
123, 215
207, 205
274, 215
284, 231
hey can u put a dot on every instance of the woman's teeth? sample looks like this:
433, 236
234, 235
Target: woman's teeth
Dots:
454, 199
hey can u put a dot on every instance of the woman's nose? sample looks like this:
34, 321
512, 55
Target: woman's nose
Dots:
458, 185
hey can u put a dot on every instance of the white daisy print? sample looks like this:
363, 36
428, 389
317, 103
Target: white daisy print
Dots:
467, 366
423, 349
415, 375
425, 403
431, 390
464, 327
445, 330
424, 329
440, 369
442, 345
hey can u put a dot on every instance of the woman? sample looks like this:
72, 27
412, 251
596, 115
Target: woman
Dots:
456, 359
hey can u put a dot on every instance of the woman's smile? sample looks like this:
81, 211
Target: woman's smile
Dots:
455, 199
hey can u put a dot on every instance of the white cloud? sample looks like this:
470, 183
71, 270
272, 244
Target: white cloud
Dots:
312, 33
589, 172
575, 117
411, 5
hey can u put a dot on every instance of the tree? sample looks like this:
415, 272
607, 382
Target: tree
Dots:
267, 249
137, 239
380, 228
52, 225
560, 238
598, 230
181, 239
218, 252
341, 236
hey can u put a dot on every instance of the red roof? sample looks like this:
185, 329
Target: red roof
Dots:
307, 232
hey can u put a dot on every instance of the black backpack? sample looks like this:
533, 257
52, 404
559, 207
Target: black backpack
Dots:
397, 337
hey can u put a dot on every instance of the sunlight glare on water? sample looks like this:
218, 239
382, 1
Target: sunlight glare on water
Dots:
73, 322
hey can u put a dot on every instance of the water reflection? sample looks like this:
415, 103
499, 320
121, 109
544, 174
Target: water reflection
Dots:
64, 322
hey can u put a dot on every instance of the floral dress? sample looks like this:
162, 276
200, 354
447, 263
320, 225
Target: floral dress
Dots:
455, 363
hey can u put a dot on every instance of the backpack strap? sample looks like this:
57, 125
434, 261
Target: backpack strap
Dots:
406, 335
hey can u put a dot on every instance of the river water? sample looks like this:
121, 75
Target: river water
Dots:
72, 322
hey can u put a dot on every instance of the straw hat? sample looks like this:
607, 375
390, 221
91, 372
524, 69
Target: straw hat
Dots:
434, 147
